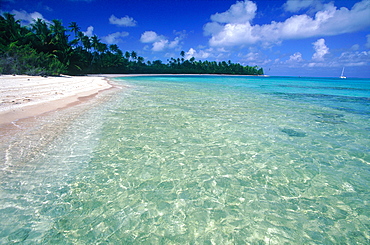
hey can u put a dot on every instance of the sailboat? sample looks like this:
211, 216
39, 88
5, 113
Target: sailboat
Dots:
342, 75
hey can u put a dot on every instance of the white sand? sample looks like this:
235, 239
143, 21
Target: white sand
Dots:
27, 96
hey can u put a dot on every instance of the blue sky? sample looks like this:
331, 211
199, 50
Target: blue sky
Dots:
286, 38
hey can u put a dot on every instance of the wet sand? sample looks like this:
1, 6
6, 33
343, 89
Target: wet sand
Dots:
35, 110
28, 96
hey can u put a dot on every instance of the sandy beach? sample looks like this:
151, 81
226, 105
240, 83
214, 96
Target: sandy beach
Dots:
34, 110
23, 96
26, 96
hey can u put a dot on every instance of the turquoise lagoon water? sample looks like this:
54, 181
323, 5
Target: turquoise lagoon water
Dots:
202, 160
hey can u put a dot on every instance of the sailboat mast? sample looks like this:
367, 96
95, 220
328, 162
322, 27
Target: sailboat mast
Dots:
342, 75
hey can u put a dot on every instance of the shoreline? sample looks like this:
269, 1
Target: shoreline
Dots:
30, 127
35, 110
168, 74
22, 97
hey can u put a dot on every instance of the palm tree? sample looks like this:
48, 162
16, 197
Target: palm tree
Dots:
80, 35
60, 41
76, 30
58, 32
182, 54
86, 42
114, 48
127, 55
133, 55
42, 36
11, 29
95, 42
140, 59
74, 27
102, 47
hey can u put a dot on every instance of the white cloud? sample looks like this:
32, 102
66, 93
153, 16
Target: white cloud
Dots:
124, 21
27, 18
240, 12
355, 58
89, 31
254, 57
159, 42
350, 58
355, 47
326, 22
368, 41
150, 37
295, 60
175, 42
320, 50
190, 53
160, 45
296, 57
198, 55
251, 56
115, 37
346, 59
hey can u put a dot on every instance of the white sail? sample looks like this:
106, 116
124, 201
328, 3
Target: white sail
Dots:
342, 75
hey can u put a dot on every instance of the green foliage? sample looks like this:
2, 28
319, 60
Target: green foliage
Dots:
45, 49
182, 66
26, 60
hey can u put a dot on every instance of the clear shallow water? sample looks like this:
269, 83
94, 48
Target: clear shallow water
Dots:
202, 160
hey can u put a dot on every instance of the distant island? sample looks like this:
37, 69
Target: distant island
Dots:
45, 49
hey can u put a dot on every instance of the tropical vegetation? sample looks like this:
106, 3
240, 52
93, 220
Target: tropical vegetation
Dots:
46, 49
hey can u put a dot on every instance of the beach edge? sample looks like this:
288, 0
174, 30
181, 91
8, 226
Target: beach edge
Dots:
49, 97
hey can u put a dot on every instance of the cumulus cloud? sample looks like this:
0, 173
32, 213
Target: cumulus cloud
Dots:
159, 42
89, 31
320, 50
355, 58
296, 57
150, 37
124, 21
197, 54
115, 38
368, 41
295, 60
355, 47
254, 57
240, 12
175, 43
348, 58
160, 45
226, 31
27, 18
190, 53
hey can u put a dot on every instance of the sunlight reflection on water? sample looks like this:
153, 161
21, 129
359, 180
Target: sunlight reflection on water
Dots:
184, 160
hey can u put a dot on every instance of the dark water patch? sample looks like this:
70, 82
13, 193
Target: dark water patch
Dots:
353, 105
339, 98
322, 87
353, 111
332, 118
293, 133
19, 235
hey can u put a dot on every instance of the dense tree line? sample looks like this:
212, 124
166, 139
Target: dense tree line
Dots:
45, 49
